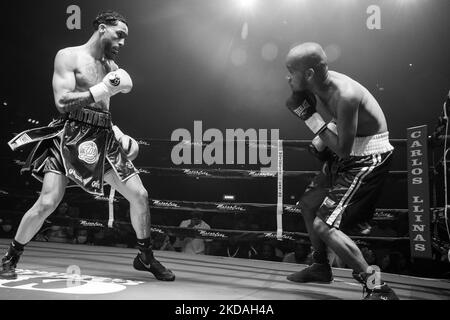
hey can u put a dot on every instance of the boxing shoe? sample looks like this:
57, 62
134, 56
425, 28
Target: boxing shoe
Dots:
145, 261
377, 292
382, 292
9, 263
317, 272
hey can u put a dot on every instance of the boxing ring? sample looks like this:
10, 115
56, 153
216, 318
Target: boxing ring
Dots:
45, 273
60, 271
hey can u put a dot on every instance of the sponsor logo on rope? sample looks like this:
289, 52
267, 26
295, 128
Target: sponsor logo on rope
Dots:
293, 209
165, 204
262, 174
230, 208
191, 172
273, 235
88, 152
157, 230
85, 223
211, 234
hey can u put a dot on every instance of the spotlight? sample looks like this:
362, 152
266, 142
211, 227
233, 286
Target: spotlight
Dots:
246, 4
228, 197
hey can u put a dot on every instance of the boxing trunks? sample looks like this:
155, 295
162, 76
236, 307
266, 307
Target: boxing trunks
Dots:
345, 192
80, 145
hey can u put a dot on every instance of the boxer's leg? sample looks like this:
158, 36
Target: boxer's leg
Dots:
134, 191
320, 271
53, 188
309, 205
342, 245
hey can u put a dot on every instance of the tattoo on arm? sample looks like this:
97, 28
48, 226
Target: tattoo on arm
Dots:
75, 100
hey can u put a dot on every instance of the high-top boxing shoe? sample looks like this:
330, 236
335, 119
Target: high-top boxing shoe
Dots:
377, 292
145, 261
9, 263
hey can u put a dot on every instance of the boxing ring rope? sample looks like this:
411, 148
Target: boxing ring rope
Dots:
220, 207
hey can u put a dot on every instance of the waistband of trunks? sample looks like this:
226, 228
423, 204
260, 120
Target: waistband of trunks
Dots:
91, 116
376, 144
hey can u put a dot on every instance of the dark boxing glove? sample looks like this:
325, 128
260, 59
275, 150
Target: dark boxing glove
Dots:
303, 105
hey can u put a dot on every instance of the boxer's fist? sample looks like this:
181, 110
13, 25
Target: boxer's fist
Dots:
130, 146
303, 105
319, 150
113, 83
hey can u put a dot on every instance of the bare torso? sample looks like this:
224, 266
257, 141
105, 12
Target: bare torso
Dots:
370, 118
89, 71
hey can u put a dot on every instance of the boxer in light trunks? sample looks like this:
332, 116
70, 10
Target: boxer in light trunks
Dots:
343, 195
83, 147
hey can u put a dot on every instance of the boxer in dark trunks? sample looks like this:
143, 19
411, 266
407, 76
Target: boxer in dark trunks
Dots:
357, 153
83, 147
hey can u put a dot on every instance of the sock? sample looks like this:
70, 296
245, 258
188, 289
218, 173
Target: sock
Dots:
320, 257
144, 244
17, 246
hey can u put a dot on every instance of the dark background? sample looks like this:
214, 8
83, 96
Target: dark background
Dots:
180, 56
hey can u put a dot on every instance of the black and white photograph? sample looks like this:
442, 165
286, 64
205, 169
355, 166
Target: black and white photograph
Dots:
225, 158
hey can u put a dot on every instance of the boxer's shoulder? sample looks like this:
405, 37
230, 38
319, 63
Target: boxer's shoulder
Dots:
68, 56
347, 91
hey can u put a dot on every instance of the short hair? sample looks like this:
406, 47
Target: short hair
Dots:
110, 18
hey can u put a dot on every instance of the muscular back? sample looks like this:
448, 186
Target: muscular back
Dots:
370, 118
75, 71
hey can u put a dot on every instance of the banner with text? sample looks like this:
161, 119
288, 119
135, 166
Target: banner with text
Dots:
418, 192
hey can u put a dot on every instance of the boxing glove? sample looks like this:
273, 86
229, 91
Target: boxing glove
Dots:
129, 145
303, 105
318, 148
113, 83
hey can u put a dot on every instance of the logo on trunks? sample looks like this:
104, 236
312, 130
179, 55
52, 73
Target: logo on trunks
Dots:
95, 184
88, 152
114, 79
328, 202
75, 175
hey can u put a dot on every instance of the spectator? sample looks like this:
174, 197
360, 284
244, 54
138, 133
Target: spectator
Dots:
383, 228
162, 242
59, 233
267, 253
6, 230
240, 249
193, 245
218, 248
299, 255
81, 236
